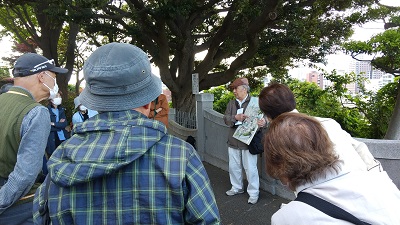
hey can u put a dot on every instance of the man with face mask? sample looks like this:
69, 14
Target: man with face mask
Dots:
25, 127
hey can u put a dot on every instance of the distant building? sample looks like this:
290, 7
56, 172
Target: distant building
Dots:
385, 79
319, 79
366, 69
315, 77
352, 88
377, 79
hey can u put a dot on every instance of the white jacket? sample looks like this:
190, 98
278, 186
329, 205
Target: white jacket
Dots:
370, 196
355, 154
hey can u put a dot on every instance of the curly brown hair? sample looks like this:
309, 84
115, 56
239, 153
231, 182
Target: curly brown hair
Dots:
297, 148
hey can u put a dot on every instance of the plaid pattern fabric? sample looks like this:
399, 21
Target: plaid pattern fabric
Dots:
122, 168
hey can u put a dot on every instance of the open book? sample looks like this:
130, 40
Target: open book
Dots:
245, 132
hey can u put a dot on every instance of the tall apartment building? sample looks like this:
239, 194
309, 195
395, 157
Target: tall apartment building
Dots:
365, 68
385, 79
377, 79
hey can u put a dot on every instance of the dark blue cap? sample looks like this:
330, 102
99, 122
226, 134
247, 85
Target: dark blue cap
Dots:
32, 63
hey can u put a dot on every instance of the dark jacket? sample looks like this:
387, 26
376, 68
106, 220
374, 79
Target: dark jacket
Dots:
51, 142
229, 119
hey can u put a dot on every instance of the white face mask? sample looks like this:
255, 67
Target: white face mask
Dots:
56, 101
54, 91
82, 108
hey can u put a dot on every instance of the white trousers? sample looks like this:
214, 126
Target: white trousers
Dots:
236, 158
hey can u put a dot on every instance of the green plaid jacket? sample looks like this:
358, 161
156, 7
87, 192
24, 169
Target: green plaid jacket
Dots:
123, 168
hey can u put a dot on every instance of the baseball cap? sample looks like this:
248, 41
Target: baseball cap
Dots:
32, 63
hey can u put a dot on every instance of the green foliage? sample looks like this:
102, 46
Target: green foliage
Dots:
237, 35
333, 102
221, 97
5, 76
384, 46
378, 109
4, 73
366, 114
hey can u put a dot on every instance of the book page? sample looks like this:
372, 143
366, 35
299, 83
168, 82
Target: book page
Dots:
245, 132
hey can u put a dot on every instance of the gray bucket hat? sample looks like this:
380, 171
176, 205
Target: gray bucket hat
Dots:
118, 77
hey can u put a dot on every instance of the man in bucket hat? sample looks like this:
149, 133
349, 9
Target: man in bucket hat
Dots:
120, 167
25, 127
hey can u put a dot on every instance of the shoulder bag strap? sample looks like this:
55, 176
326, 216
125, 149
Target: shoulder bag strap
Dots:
155, 106
80, 114
328, 208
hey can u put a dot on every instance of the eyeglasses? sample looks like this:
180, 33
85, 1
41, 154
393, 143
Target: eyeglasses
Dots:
50, 61
49, 75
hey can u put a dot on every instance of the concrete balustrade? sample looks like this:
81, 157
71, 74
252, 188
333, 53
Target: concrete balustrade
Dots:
212, 134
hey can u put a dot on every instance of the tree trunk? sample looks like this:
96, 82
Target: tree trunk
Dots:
184, 101
393, 132
185, 105
51, 29
70, 59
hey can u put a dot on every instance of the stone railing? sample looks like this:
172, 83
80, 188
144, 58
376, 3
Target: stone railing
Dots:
212, 134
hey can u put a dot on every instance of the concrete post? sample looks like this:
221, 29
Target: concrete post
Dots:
203, 101
171, 114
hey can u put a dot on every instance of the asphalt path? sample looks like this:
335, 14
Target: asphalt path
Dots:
235, 210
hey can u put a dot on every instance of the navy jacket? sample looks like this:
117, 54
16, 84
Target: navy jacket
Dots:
51, 142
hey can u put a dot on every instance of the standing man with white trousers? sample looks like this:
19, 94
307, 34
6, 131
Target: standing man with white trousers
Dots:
238, 151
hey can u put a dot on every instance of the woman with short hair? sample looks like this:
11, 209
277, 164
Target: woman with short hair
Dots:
300, 154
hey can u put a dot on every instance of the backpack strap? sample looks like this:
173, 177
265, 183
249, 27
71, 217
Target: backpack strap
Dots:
328, 208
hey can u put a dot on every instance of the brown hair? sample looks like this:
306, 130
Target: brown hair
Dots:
276, 99
298, 149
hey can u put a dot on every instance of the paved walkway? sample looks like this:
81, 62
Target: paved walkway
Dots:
235, 210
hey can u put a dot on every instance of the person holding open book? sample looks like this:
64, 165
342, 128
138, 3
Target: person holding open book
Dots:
238, 151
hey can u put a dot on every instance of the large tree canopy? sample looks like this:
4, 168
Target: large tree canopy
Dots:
230, 35
40, 24
233, 34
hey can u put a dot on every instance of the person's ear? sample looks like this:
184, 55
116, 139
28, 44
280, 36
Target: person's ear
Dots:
40, 77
